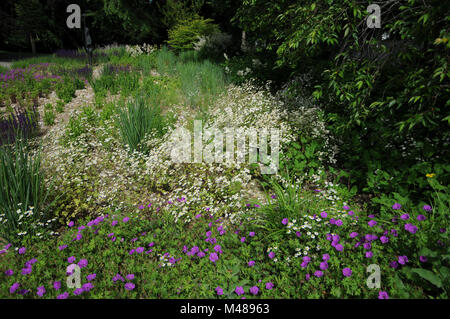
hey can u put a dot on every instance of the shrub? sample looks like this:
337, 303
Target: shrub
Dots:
213, 46
186, 33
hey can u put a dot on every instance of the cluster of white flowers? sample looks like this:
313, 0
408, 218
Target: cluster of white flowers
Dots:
136, 50
216, 42
30, 223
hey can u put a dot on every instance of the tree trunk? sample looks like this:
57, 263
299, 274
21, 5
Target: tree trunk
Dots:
33, 44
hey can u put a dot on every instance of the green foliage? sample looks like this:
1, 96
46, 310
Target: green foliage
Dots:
65, 90
59, 106
186, 33
389, 106
49, 117
137, 120
22, 188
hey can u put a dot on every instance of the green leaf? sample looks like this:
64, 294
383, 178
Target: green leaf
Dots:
429, 276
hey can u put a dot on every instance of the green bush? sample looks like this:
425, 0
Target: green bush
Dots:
186, 33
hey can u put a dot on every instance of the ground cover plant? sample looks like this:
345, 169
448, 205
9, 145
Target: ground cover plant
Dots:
92, 175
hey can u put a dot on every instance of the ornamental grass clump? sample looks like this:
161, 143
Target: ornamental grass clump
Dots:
137, 120
23, 194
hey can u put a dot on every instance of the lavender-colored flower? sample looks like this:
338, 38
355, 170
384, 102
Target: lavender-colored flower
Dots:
213, 257
14, 287
62, 247
114, 223
351, 213
384, 239
318, 273
57, 285
269, 286
372, 223
40, 291
251, 234
411, 228
9, 272
254, 290
323, 214
140, 250
423, 259
31, 261
201, 254
347, 272
396, 206
284, 221
27, 270
298, 234
383, 295
129, 286
118, 277
87, 287
22, 250
369, 254
367, 246
421, 217
339, 247
63, 296
71, 224
402, 260
71, 259
83, 263
218, 249
427, 208
78, 291
323, 265
239, 290
338, 222
404, 216
130, 276
126, 219
394, 264
91, 277
242, 239
219, 291
353, 234
271, 255
325, 257
251, 263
